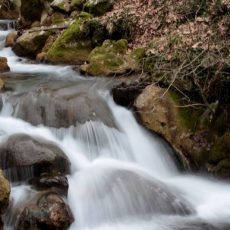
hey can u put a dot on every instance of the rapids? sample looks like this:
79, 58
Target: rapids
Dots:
122, 177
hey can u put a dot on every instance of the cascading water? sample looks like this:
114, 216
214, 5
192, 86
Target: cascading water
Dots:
121, 177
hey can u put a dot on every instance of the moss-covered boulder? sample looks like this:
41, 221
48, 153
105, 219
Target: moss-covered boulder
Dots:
109, 59
31, 10
98, 7
159, 111
4, 192
74, 45
30, 43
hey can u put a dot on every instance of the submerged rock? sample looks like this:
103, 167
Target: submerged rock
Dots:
3, 65
54, 183
63, 105
24, 157
46, 211
120, 193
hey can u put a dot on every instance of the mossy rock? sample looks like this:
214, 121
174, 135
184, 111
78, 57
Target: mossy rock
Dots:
221, 149
4, 192
31, 43
74, 45
109, 59
31, 10
98, 7
61, 6
57, 18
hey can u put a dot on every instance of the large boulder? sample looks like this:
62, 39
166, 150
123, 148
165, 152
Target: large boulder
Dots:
74, 45
46, 211
3, 65
98, 7
30, 43
130, 193
24, 157
63, 105
158, 111
110, 59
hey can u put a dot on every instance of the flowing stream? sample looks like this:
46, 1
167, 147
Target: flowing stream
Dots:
122, 177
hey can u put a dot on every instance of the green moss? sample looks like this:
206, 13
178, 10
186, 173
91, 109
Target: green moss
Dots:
85, 15
75, 44
138, 54
189, 117
108, 59
121, 46
221, 149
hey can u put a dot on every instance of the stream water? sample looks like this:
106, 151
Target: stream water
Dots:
122, 177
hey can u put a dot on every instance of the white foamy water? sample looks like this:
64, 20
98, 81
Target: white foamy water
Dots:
123, 177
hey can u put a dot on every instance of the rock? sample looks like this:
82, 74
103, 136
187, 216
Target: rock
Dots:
130, 193
24, 157
3, 65
4, 193
47, 211
58, 184
63, 105
74, 44
98, 7
41, 57
110, 59
158, 111
219, 157
31, 10
61, 5
77, 4
125, 93
10, 39
30, 43
2, 84
57, 18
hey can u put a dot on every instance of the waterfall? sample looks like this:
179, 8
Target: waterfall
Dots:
122, 177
